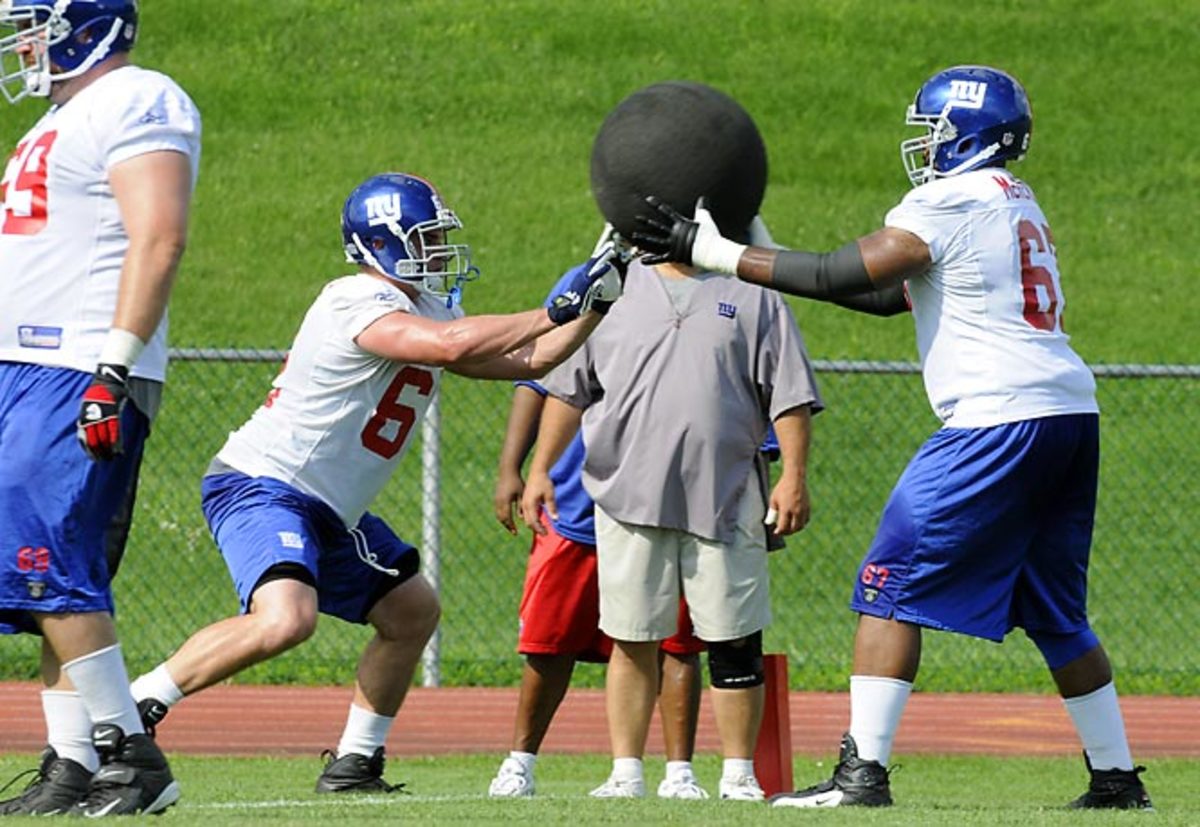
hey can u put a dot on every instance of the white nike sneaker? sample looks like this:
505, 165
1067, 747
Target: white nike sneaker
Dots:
620, 788
682, 787
741, 788
512, 781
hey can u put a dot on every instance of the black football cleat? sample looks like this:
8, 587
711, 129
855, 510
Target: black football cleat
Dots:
1113, 790
58, 784
133, 777
855, 783
354, 773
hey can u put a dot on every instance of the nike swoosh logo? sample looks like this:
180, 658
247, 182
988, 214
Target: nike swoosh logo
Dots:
103, 811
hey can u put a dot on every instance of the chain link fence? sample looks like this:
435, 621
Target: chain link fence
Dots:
1142, 597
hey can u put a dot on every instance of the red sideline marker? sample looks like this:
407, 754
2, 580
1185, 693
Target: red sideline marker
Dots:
773, 755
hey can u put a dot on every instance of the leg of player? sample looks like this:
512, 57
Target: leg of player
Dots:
630, 689
887, 654
1085, 683
283, 614
544, 683
679, 710
69, 759
133, 775
404, 619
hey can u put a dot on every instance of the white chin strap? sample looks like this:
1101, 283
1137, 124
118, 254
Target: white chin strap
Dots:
38, 81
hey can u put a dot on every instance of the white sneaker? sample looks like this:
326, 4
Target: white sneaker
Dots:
512, 781
620, 788
741, 788
683, 787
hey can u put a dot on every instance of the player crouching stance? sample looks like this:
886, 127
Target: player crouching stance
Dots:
286, 498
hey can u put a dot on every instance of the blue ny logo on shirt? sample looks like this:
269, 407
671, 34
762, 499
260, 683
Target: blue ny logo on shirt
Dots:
726, 309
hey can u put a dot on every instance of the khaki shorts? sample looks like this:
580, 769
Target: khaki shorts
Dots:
642, 570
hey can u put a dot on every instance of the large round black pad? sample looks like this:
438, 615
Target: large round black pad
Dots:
679, 140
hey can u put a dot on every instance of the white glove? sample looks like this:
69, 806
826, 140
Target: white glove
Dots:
610, 257
710, 250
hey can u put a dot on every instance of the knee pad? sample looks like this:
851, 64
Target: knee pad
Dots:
736, 664
1060, 648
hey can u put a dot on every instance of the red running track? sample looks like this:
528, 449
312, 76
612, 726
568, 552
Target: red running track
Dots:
230, 720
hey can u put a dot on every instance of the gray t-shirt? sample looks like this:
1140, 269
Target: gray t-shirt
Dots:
679, 384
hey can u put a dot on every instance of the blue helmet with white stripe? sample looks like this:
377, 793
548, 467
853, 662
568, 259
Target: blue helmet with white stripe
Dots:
46, 41
396, 224
973, 116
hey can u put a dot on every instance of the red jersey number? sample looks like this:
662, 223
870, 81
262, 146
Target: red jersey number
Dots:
23, 192
1037, 282
391, 410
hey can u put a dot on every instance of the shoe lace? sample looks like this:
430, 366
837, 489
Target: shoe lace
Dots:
38, 774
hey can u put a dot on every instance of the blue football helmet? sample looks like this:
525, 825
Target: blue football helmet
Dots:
973, 117
45, 41
397, 225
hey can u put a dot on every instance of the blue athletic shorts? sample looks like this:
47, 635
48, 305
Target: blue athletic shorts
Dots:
58, 509
989, 529
260, 522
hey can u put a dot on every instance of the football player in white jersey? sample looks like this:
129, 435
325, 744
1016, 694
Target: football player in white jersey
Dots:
94, 207
286, 498
990, 525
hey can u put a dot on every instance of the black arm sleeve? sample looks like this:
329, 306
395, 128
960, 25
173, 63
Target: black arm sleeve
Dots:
827, 276
886, 302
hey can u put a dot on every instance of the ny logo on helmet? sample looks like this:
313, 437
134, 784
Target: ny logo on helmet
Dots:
967, 93
383, 209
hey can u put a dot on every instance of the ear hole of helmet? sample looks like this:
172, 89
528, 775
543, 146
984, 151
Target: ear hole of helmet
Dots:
967, 146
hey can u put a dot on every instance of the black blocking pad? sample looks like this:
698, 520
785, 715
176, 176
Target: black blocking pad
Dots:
679, 140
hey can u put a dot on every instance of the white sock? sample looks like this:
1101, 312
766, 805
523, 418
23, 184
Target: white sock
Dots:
365, 732
1097, 717
525, 759
103, 684
737, 768
68, 728
628, 769
157, 684
680, 769
876, 705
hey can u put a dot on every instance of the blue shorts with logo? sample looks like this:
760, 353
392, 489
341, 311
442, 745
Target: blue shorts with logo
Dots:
989, 529
59, 510
260, 522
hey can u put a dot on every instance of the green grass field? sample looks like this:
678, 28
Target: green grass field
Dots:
929, 790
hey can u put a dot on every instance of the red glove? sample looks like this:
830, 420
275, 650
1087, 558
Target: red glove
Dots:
98, 428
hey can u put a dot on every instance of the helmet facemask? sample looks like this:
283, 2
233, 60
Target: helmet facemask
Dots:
436, 267
920, 153
25, 53
40, 46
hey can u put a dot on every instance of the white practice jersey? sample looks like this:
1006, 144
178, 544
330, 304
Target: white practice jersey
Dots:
339, 419
989, 311
62, 242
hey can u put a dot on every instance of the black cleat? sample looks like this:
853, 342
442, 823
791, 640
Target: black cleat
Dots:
133, 776
152, 711
1113, 790
354, 773
58, 784
855, 783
